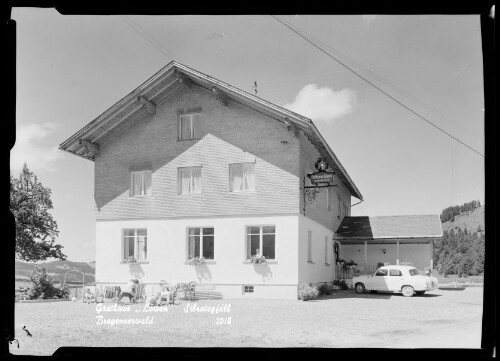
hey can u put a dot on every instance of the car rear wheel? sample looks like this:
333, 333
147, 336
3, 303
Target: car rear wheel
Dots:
407, 291
419, 292
360, 288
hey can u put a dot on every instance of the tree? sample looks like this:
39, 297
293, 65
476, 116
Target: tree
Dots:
43, 285
36, 231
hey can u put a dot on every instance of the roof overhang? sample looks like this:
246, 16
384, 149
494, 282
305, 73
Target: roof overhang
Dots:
387, 240
166, 82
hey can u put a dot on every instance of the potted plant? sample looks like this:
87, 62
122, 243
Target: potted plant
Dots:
131, 259
196, 261
258, 258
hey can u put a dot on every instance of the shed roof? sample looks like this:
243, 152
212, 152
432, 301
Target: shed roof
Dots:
168, 81
411, 226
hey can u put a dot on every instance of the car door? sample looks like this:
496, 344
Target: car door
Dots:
379, 280
395, 280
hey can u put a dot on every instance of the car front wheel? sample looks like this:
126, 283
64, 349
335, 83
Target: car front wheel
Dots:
360, 288
407, 291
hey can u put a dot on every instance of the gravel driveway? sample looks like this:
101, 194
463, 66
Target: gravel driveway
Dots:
439, 319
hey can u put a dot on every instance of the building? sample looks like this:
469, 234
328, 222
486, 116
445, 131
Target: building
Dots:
187, 166
370, 241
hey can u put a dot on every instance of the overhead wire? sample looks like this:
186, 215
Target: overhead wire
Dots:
319, 46
145, 35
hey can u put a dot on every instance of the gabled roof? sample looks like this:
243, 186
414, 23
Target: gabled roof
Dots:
420, 226
165, 83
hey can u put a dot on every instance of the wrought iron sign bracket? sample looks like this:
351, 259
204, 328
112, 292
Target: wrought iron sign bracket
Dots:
310, 193
321, 179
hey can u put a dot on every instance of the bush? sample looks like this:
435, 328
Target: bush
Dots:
341, 284
43, 286
24, 293
307, 292
325, 289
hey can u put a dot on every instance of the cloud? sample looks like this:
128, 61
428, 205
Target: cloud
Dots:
28, 150
322, 104
215, 36
368, 18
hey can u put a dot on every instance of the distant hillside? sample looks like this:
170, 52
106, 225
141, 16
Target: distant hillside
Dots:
469, 219
57, 269
461, 251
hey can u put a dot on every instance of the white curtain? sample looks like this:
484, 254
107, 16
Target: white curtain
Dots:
196, 180
136, 183
141, 245
236, 176
249, 176
146, 177
185, 127
141, 183
195, 126
185, 181
125, 247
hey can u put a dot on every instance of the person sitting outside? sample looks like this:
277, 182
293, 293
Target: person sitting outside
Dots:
129, 290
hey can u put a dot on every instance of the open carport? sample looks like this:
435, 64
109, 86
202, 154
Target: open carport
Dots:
392, 240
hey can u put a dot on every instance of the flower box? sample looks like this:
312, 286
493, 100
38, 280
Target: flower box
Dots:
196, 261
258, 259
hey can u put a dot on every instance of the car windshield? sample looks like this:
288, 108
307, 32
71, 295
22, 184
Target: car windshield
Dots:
416, 272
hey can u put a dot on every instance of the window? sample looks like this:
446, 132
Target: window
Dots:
242, 177
416, 272
190, 180
381, 272
201, 242
327, 254
346, 210
339, 208
328, 198
140, 183
309, 246
261, 240
395, 272
189, 126
135, 244
247, 289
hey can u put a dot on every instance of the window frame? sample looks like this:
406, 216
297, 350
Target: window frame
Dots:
131, 190
381, 270
136, 243
339, 207
179, 180
328, 199
230, 183
191, 129
327, 254
309, 246
261, 240
395, 270
201, 228
248, 289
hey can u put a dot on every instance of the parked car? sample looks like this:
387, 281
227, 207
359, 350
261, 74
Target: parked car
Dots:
405, 279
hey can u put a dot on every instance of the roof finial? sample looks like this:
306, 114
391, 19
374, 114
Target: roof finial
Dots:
255, 87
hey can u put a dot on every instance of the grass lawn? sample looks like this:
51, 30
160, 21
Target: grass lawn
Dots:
345, 319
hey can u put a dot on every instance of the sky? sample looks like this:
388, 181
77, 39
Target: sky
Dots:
70, 69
